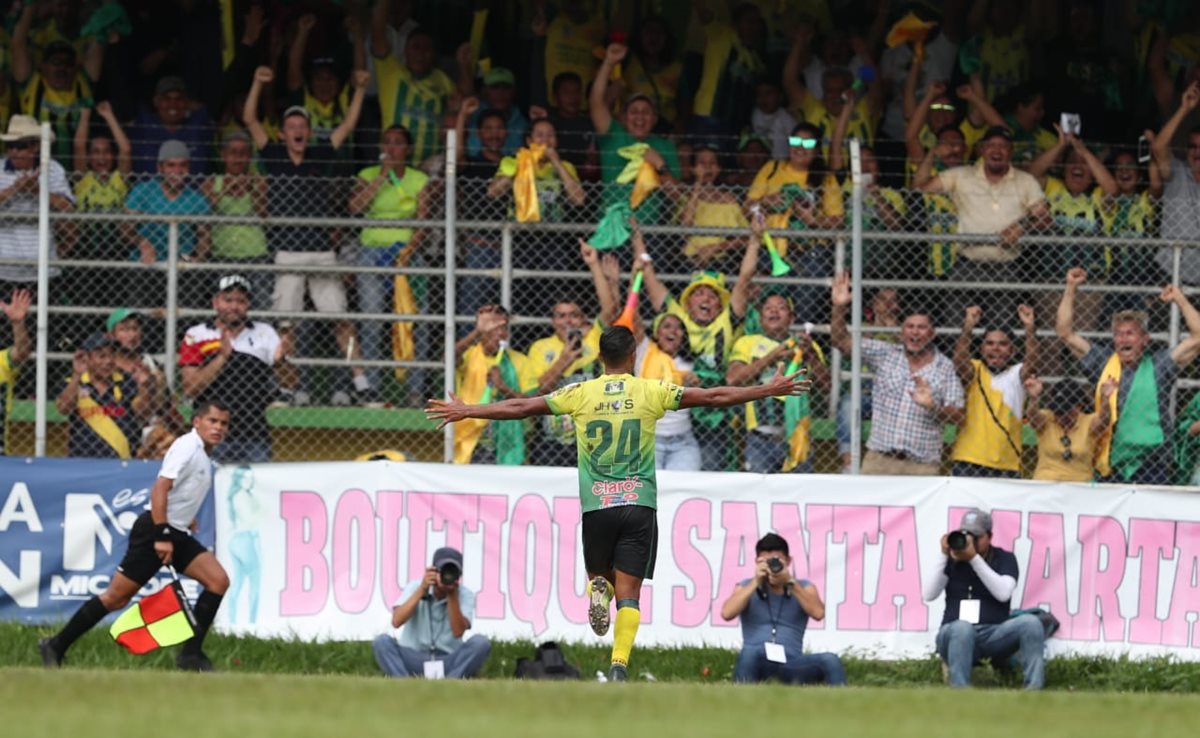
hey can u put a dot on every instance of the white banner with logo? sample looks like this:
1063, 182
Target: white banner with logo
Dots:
322, 551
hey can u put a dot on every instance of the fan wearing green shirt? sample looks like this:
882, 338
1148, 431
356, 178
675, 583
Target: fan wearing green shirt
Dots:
614, 417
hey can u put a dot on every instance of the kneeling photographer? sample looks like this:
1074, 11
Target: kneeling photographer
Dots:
433, 613
774, 609
979, 579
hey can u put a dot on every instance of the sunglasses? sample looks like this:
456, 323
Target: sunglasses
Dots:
803, 143
1066, 444
943, 106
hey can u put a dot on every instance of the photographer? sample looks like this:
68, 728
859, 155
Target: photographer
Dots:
979, 580
437, 610
774, 609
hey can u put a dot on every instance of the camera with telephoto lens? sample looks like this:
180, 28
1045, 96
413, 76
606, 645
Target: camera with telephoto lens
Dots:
957, 539
449, 573
775, 564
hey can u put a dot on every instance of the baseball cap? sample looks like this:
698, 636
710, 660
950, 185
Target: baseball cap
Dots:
1001, 131
295, 110
447, 555
173, 149
233, 281
499, 76
96, 341
59, 46
976, 522
119, 315
642, 96
170, 83
237, 134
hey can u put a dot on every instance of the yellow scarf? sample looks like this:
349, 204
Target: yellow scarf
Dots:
93, 414
1104, 446
637, 170
525, 195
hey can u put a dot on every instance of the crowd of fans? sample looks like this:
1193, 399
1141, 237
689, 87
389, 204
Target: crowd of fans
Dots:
1002, 122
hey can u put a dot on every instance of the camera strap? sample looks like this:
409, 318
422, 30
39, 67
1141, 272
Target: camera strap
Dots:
996, 419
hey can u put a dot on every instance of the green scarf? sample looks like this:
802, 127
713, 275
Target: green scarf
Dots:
508, 435
1139, 429
613, 229
1187, 446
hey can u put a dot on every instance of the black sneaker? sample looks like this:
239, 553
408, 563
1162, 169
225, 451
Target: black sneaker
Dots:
51, 657
618, 673
193, 661
369, 397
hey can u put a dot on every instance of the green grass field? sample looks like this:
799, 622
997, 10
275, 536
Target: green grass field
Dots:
86, 702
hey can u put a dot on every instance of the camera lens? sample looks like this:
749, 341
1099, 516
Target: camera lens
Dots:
957, 540
775, 564
449, 574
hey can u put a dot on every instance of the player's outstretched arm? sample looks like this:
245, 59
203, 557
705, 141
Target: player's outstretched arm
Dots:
781, 384
454, 409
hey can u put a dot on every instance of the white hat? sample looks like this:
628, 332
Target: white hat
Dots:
23, 126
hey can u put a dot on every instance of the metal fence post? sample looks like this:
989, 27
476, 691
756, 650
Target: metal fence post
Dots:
43, 296
506, 266
1173, 329
856, 308
169, 331
451, 297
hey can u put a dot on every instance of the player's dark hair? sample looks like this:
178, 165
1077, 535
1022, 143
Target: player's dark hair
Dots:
205, 405
617, 344
772, 542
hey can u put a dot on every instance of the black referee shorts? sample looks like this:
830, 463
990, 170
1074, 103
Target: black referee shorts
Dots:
141, 562
624, 538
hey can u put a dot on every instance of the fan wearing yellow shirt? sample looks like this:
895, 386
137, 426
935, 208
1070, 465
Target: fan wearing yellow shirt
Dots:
1077, 204
1132, 214
59, 87
1030, 139
567, 356
489, 370
414, 93
989, 438
653, 69
102, 163
709, 205
836, 92
614, 417
577, 29
713, 317
12, 357
778, 437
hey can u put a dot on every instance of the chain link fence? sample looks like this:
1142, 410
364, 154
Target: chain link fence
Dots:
345, 306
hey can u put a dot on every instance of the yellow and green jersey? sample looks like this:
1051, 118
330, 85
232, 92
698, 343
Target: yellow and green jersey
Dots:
614, 417
1079, 215
8, 378
417, 103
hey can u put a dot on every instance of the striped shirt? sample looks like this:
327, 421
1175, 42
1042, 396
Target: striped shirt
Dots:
898, 423
416, 104
19, 239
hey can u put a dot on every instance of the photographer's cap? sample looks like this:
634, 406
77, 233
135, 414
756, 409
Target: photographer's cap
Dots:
447, 555
976, 522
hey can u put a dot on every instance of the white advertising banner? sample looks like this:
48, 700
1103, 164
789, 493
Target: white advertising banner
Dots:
322, 551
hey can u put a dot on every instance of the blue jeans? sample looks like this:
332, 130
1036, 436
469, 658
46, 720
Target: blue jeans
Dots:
375, 293
765, 454
842, 429
680, 452
961, 644
811, 668
475, 292
398, 661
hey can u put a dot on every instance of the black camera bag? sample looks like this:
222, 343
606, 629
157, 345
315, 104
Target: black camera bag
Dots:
547, 663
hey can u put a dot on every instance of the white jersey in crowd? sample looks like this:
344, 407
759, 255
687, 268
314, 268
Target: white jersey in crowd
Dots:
188, 466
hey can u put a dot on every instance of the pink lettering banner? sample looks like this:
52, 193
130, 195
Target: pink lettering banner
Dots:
323, 551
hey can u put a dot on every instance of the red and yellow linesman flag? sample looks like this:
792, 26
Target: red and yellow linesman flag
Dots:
162, 619
910, 28
638, 171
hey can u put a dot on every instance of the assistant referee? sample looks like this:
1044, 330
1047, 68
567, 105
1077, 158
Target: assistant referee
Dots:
161, 536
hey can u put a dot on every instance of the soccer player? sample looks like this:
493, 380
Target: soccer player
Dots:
614, 417
161, 537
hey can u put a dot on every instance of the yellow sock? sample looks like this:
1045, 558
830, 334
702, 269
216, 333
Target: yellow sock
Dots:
628, 619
